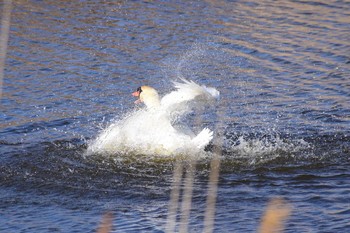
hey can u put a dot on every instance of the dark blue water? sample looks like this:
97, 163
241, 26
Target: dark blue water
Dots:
282, 69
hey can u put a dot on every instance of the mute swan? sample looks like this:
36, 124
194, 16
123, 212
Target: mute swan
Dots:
151, 130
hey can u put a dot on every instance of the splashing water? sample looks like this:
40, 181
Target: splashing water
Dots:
159, 130
259, 150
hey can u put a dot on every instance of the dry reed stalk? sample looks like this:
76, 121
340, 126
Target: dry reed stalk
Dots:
174, 197
277, 211
209, 215
4, 36
106, 224
186, 204
187, 197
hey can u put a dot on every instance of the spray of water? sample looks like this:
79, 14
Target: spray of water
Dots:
159, 130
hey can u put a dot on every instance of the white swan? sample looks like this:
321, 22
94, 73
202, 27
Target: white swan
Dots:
152, 130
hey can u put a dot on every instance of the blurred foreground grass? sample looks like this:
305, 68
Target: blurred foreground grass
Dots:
272, 221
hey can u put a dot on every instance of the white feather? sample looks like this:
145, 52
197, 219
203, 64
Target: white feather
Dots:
186, 91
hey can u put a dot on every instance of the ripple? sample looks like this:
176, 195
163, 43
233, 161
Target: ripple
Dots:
282, 69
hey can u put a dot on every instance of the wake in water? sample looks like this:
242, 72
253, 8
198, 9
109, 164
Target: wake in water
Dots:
157, 129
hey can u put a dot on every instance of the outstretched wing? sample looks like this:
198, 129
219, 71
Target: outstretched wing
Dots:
188, 95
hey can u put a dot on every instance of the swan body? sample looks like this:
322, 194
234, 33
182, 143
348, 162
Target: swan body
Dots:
152, 130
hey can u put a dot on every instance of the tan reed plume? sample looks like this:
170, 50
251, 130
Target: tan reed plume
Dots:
106, 224
276, 213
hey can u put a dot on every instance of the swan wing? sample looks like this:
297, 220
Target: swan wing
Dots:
177, 102
203, 138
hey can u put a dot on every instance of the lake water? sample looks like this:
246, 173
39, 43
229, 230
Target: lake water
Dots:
282, 122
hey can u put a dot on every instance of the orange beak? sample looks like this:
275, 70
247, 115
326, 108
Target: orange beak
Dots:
136, 93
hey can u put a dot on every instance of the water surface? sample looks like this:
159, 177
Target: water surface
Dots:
282, 69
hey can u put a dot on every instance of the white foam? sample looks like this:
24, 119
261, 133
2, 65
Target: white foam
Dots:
258, 149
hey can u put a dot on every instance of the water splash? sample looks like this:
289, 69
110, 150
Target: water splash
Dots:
159, 129
260, 149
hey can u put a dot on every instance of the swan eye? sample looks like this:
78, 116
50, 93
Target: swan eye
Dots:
139, 90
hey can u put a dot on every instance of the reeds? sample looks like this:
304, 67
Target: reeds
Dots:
174, 197
106, 224
276, 213
4, 36
272, 221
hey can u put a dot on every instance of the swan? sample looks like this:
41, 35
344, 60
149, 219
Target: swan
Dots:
155, 129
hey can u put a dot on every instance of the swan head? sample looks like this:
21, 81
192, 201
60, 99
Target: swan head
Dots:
148, 95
